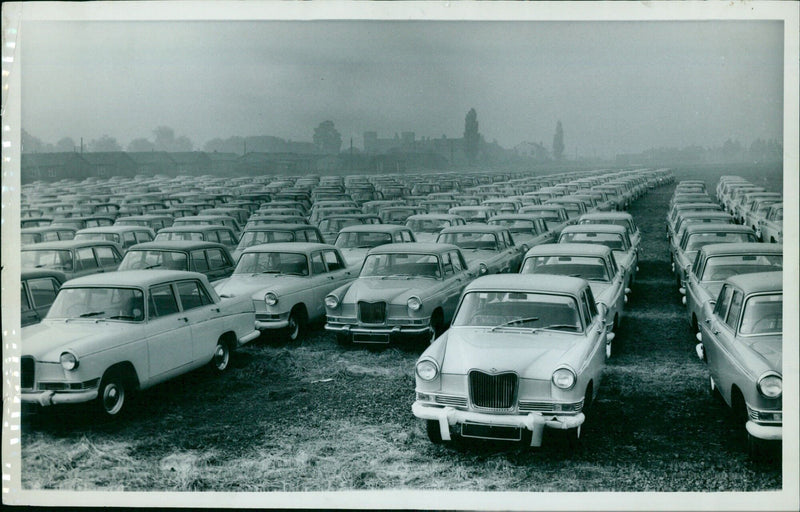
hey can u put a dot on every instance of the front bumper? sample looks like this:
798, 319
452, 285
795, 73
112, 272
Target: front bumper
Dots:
534, 421
376, 334
765, 432
45, 398
268, 322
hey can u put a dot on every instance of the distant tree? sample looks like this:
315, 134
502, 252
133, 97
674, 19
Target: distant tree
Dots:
558, 142
141, 145
104, 144
66, 144
471, 136
31, 144
327, 138
165, 140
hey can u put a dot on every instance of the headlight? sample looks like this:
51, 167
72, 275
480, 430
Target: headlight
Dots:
564, 378
68, 361
427, 369
770, 385
414, 303
270, 299
332, 301
482, 268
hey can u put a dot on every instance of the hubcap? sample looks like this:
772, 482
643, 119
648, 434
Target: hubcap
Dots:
221, 358
294, 328
113, 398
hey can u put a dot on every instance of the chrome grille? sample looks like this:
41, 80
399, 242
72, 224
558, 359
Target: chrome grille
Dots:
27, 369
457, 401
493, 391
372, 312
529, 406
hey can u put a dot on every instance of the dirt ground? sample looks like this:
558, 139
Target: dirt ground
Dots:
313, 416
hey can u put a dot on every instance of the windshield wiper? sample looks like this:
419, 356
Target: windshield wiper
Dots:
561, 326
270, 271
152, 266
516, 320
390, 276
122, 317
93, 313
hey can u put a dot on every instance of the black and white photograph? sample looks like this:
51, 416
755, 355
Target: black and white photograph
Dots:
401, 255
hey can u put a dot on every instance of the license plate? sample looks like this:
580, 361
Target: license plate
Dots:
370, 338
491, 432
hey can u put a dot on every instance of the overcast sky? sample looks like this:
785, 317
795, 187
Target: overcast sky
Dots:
616, 86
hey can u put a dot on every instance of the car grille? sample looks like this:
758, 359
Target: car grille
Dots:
372, 312
27, 369
457, 401
528, 406
493, 391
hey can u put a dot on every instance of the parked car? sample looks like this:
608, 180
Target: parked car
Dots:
399, 214
698, 235
426, 226
685, 219
207, 233
41, 234
277, 233
109, 335
75, 258
593, 262
614, 237
125, 236
555, 216
770, 229
153, 221
403, 290
88, 221
38, 290
489, 249
287, 283
355, 241
473, 214
331, 225
717, 262
208, 258
209, 220
741, 340
617, 218
526, 228
523, 353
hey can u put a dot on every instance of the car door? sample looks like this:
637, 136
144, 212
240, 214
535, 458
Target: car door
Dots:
168, 334
220, 265
321, 283
337, 273
204, 318
29, 315
726, 365
595, 334
85, 262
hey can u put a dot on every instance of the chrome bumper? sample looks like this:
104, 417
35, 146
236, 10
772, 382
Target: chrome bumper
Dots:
765, 432
534, 421
45, 398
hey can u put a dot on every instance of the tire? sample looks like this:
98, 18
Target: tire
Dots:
113, 395
432, 429
221, 359
296, 325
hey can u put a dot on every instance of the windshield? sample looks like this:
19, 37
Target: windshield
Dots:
181, 235
108, 303
763, 314
110, 237
145, 260
337, 224
518, 309
30, 238
401, 265
589, 268
282, 263
698, 240
611, 240
516, 225
56, 260
250, 238
626, 223
467, 241
427, 225
356, 240
719, 268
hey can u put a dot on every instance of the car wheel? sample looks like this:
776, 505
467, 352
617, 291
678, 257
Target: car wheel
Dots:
295, 327
432, 429
222, 356
112, 395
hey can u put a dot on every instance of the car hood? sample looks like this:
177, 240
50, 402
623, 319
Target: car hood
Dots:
246, 284
47, 340
602, 292
770, 349
395, 290
530, 355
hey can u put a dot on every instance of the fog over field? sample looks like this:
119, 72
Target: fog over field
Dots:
617, 87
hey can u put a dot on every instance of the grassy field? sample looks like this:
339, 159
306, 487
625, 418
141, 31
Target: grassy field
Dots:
313, 416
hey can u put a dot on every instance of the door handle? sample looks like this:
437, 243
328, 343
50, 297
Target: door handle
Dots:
331, 278
215, 310
183, 318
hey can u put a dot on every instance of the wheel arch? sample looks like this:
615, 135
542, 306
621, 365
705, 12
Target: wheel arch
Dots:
127, 371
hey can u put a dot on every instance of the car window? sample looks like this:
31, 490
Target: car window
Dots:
456, 260
65, 235
85, 259
735, 309
162, 301
23, 300
106, 256
225, 238
723, 301
587, 316
128, 239
312, 236
398, 237
211, 236
43, 291
192, 295
217, 259
407, 236
199, 263
143, 236
49, 236
317, 263
333, 261
447, 264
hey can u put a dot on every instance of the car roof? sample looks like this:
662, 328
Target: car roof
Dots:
713, 226
742, 248
68, 244
413, 248
375, 228
758, 282
515, 216
296, 247
474, 228
278, 227
594, 228
528, 283
193, 227
139, 278
114, 229
175, 245
44, 229
605, 215
434, 216
33, 273
569, 249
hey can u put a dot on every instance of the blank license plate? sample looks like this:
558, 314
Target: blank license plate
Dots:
491, 432
370, 338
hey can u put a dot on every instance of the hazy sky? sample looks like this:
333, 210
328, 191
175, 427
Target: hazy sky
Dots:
616, 86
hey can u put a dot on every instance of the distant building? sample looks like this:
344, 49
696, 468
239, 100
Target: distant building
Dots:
112, 163
53, 167
259, 164
223, 163
150, 163
196, 163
